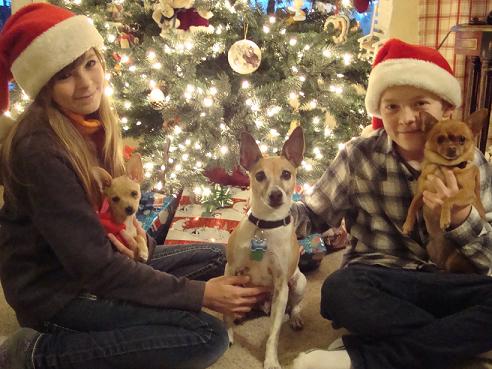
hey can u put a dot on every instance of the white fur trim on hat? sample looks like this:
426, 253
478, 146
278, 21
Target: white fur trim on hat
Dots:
410, 72
53, 50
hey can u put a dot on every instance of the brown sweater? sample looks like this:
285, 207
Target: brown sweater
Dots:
53, 247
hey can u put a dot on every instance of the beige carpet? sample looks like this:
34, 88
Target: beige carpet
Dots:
249, 349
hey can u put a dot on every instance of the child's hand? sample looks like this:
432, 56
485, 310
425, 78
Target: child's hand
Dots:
124, 249
445, 191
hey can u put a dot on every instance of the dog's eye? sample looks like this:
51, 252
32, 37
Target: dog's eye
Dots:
441, 139
134, 194
285, 175
260, 176
461, 140
115, 199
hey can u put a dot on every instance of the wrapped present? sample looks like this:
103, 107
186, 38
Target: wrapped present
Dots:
154, 213
192, 224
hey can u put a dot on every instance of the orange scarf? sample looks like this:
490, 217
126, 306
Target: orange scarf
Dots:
87, 126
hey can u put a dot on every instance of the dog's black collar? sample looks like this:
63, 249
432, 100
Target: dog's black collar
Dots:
461, 165
268, 224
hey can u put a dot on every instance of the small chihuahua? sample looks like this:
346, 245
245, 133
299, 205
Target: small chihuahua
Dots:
450, 144
122, 197
264, 244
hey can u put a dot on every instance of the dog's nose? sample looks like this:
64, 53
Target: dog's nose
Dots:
275, 198
129, 210
451, 151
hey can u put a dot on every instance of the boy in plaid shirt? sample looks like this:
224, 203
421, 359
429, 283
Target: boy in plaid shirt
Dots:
401, 311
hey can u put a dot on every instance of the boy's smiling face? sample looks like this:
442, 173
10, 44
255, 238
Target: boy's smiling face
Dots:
400, 107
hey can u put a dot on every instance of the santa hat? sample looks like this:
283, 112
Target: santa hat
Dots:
398, 63
37, 42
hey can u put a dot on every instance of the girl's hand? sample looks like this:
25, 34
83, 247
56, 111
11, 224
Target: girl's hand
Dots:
444, 191
226, 295
124, 249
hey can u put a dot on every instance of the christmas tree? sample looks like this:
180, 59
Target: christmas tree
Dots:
188, 77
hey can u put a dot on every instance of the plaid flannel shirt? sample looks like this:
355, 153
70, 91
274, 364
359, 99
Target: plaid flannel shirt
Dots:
369, 186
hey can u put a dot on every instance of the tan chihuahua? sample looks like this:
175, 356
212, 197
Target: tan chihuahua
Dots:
122, 196
264, 244
450, 144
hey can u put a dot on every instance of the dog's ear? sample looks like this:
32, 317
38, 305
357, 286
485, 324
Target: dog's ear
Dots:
293, 149
102, 177
134, 168
477, 119
428, 121
250, 153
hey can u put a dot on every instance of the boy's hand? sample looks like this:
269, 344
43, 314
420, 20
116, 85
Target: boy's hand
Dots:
228, 296
435, 200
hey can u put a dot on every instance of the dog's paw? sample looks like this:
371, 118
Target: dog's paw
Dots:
296, 322
445, 220
230, 333
271, 364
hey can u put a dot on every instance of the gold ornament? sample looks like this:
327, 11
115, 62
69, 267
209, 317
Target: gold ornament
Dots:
340, 23
330, 121
295, 123
157, 99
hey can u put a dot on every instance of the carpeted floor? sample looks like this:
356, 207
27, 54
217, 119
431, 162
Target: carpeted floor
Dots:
249, 348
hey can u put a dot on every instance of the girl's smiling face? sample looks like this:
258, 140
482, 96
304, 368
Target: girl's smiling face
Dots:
79, 87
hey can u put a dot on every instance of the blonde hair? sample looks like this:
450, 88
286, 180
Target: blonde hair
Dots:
78, 151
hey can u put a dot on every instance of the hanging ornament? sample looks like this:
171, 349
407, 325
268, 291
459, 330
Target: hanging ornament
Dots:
244, 57
361, 5
324, 8
127, 37
117, 68
157, 99
116, 56
194, 20
299, 14
340, 23
115, 11
181, 15
330, 121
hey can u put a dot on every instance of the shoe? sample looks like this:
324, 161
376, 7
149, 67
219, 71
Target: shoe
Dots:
14, 350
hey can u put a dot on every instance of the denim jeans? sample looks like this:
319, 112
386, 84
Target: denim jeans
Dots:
407, 319
94, 333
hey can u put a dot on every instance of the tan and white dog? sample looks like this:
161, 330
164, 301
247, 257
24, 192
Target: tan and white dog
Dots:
264, 244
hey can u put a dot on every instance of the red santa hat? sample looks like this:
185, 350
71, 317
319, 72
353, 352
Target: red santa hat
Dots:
400, 64
38, 41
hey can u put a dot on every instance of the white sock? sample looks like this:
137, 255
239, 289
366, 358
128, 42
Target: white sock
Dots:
321, 359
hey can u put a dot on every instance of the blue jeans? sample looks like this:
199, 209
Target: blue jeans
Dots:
409, 319
93, 333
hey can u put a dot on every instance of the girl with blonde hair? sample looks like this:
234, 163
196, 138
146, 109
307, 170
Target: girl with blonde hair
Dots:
80, 300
